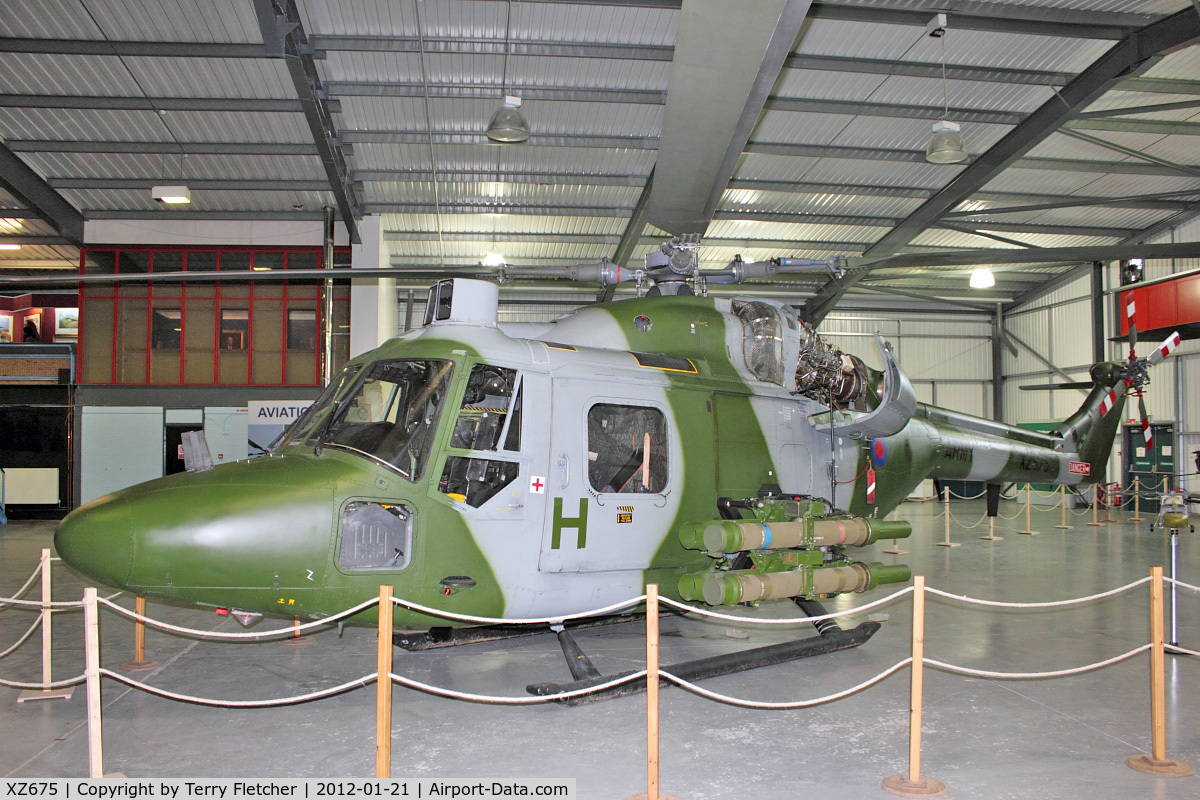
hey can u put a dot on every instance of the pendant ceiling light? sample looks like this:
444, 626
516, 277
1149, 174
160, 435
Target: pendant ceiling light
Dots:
508, 125
946, 146
982, 279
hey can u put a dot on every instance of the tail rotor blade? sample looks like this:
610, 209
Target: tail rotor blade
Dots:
1164, 349
1147, 432
1131, 318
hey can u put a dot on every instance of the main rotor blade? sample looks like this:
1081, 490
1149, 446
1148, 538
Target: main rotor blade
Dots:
1049, 387
1165, 349
1147, 432
1131, 317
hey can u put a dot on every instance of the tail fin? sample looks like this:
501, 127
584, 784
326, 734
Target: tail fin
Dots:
1089, 431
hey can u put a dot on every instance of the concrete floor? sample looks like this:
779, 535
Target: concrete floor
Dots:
1066, 738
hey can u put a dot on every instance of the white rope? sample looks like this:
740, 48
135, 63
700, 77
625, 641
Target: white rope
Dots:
1182, 584
1052, 604
785, 620
1040, 493
5, 600
78, 679
205, 701
1044, 507
968, 527
1016, 676
1082, 513
515, 701
238, 636
829, 698
436, 612
1016, 514
1174, 648
56, 604
25, 637
964, 497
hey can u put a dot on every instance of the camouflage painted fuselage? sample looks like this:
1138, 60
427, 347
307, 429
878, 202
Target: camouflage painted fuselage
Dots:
265, 535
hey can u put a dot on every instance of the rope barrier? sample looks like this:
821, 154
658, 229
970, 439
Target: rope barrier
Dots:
1174, 648
248, 635
24, 637
1015, 514
78, 679
1050, 604
205, 701
965, 497
1193, 587
6, 600
515, 701
38, 604
1018, 676
969, 527
784, 620
437, 612
734, 701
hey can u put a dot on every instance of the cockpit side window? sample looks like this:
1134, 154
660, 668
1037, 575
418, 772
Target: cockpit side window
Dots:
391, 413
488, 414
489, 420
627, 449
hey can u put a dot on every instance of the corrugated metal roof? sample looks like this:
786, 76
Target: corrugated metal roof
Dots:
202, 200
86, 125
52, 19
531, 158
171, 167
38, 73
177, 20
212, 77
808, 203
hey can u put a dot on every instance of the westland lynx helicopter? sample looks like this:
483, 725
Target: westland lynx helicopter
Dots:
717, 447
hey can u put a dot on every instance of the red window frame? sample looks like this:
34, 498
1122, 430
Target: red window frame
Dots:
180, 292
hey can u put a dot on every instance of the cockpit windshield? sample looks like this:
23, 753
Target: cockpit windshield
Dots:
390, 413
298, 431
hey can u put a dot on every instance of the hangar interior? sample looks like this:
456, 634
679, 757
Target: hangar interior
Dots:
314, 134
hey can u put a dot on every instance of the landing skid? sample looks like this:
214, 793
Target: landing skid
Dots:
831, 638
438, 638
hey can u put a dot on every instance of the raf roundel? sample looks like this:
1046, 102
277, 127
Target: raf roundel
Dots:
878, 452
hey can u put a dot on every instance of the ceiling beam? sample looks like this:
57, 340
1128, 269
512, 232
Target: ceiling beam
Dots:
498, 176
168, 148
1130, 151
1107, 252
861, 108
927, 69
492, 47
727, 58
314, 214
1158, 201
33, 240
1173, 221
104, 103
531, 209
283, 34
1146, 109
1131, 56
35, 195
630, 237
108, 47
254, 185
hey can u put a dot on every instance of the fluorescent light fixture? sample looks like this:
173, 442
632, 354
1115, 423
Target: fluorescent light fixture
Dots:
508, 125
10, 247
982, 279
171, 195
493, 260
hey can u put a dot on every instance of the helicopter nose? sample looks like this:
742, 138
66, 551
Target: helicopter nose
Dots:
97, 540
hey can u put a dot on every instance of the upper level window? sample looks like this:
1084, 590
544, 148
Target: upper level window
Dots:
391, 413
627, 449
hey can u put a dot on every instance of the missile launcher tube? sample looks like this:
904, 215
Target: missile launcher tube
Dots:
744, 586
731, 536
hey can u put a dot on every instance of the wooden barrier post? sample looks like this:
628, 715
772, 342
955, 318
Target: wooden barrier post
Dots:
1137, 502
946, 502
895, 551
1029, 531
1166, 485
1095, 507
914, 784
1062, 501
91, 656
991, 535
1157, 762
296, 638
140, 662
1110, 491
652, 691
383, 687
47, 616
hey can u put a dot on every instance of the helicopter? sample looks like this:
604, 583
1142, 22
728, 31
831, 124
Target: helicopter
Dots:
717, 447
